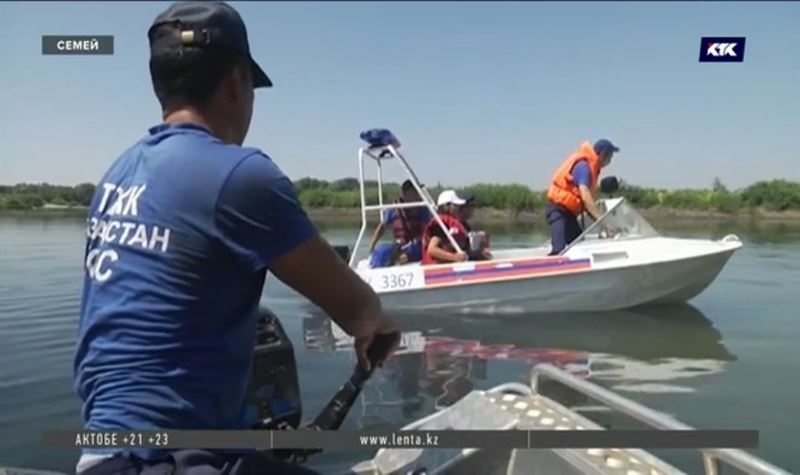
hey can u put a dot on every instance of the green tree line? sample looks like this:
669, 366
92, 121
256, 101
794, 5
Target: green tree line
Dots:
31, 196
774, 195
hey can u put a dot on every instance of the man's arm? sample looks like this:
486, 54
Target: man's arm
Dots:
589, 203
319, 274
376, 236
581, 173
438, 253
261, 222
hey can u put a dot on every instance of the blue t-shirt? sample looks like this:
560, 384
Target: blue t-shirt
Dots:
581, 173
180, 234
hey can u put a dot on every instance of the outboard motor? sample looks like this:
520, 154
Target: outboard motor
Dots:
274, 392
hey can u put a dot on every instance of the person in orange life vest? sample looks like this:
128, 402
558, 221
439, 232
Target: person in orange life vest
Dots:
407, 225
436, 247
572, 191
481, 251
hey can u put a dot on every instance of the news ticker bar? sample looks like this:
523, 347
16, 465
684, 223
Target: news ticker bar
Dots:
343, 439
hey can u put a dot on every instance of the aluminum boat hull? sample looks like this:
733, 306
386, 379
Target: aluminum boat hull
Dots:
614, 276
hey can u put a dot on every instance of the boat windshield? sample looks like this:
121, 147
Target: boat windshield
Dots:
620, 221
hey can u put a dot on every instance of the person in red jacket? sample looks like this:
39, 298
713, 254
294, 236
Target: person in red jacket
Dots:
572, 192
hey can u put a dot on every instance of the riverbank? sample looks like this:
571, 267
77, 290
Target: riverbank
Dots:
499, 216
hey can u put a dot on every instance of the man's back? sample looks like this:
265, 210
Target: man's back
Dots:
180, 233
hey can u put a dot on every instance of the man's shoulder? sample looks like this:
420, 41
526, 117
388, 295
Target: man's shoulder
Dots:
227, 158
259, 156
199, 145
254, 174
581, 170
253, 165
233, 153
205, 164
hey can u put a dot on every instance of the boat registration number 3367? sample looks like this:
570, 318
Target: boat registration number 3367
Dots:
393, 279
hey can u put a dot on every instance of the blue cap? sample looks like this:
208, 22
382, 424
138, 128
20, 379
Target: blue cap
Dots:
605, 146
204, 24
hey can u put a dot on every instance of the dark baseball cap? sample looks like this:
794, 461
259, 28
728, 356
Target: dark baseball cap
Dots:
468, 196
204, 24
605, 145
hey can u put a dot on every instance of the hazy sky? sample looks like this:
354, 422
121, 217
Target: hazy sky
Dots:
498, 92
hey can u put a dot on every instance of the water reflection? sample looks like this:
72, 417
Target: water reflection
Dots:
444, 357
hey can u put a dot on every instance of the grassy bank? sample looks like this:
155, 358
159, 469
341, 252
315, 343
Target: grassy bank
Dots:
760, 198
482, 215
340, 199
500, 216
46, 212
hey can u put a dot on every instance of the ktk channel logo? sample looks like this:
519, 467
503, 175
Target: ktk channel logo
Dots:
719, 49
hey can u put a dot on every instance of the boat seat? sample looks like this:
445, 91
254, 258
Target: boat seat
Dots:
472, 412
481, 410
537, 412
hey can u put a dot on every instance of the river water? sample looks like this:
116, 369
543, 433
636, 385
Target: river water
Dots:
728, 359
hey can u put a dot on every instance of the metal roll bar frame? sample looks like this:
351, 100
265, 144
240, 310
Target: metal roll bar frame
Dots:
711, 457
379, 154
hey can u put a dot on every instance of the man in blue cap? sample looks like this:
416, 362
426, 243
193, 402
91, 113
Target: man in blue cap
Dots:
572, 191
181, 233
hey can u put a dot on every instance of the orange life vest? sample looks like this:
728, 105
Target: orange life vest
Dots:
456, 229
563, 191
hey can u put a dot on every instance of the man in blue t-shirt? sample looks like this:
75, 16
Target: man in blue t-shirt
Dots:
406, 225
181, 232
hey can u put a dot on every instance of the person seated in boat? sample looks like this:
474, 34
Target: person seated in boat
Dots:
435, 243
407, 225
572, 192
478, 240
389, 254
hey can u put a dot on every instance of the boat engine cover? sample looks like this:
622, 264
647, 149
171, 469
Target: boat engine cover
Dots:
273, 396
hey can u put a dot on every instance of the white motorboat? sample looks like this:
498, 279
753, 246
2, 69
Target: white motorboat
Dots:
618, 262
